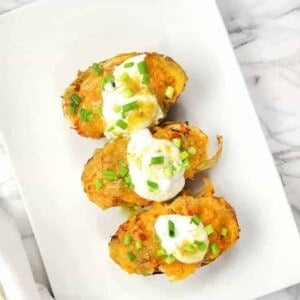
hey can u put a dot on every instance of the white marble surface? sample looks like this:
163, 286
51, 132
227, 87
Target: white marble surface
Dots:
266, 38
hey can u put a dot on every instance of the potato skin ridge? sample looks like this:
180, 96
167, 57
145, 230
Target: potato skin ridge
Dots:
113, 154
163, 70
211, 210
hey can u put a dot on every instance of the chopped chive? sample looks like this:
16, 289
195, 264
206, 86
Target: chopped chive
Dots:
171, 228
200, 245
75, 99
109, 79
98, 69
127, 239
137, 208
183, 155
191, 248
214, 248
157, 160
169, 93
168, 172
176, 143
123, 170
138, 244
152, 184
195, 219
130, 106
209, 229
170, 259
124, 76
122, 124
85, 115
146, 79
192, 150
157, 238
110, 175
131, 257
161, 252
185, 163
142, 67
127, 179
123, 115
128, 65
117, 108
223, 231
98, 184
128, 93
72, 109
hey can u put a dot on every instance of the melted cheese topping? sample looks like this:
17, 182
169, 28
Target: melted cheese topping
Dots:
128, 87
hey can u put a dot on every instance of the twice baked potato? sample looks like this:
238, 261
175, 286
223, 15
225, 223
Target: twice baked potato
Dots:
117, 190
83, 98
136, 248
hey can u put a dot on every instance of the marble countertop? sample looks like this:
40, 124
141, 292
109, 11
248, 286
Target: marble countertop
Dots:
266, 39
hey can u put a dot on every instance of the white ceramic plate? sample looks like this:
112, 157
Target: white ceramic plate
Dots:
42, 46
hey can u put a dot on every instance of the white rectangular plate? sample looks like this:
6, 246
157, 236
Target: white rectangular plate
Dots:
42, 47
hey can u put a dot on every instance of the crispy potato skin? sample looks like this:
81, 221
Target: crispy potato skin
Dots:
163, 72
113, 154
211, 210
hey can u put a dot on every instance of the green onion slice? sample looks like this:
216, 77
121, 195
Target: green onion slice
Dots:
130, 106
131, 257
170, 259
98, 184
161, 252
128, 65
209, 229
214, 248
123, 171
127, 239
171, 228
168, 172
72, 109
142, 67
169, 92
183, 155
195, 219
122, 124
75, 99
176, 143
98, 69
200, 245
157, 160
192, 150
128, 93
223, 231
191, 248
138, 244
152, 184
146, 79
110, 175
85, 115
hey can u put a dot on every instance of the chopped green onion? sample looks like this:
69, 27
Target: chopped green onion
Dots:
185, 163
209, 229
169, 93
176, 143
168, 172
192, 150
157, 160
124, 76
195, 219
110, 175
152, 184
122, 124
128, 65
169, 259
98, 69
146, 79
75, 99
98, 184
138, 244
127, 239
201, 245
128, 182
72, 109
137, 208
85, 115
142, 67
123, 171
123, 115
223, 231
128, 93
171, 228
109, 79
131, 257
191, 248
117, 108
161, 252
214, 248
130, 106
157, 238
183, 155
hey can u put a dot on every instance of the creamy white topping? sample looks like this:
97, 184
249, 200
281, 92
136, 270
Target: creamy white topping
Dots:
116, 95
184, 245
142, 147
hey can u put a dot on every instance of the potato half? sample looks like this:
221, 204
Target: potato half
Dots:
211, 210
113, 155
163, 71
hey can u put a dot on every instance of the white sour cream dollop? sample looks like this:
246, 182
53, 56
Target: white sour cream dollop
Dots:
186, 233
156, 182
117, 94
